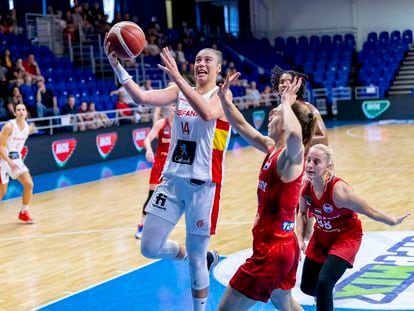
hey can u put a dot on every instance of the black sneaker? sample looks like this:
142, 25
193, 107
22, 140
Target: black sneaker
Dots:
212, 259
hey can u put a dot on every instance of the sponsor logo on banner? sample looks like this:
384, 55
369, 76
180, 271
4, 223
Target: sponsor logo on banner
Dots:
106, 143
24, 152
258, 118
374, 108
138, 136
62, 150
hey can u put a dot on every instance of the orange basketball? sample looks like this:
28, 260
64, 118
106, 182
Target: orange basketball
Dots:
127, 40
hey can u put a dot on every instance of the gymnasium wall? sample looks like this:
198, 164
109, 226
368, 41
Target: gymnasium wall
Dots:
271, 18
44, 154
395, 108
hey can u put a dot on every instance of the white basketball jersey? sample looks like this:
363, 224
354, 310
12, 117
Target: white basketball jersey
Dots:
198, 147
17, 139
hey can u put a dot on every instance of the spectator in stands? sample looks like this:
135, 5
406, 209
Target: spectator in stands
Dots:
268, 98
187, 73
187, 34
117, 18
68, 114
15, 98
131, 63
3, 95
46, 101
126, 96
147, 85
253, 95
71, 30
97, 10
50, 10
32, 68
61, 20
7, 62
102, 26
101, 118
125, 116
11, 24
152, 48
180, 55
87, 120
231, 68
18, 73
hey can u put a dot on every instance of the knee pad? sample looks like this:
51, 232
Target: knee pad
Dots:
153, 250
200, 277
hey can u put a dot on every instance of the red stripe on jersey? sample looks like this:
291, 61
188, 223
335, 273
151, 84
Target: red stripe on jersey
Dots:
215, 210
217, 166
222, 125
218, 154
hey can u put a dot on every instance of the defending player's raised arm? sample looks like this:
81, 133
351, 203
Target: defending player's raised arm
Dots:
345, 197
162, 97
293, 130
237, 121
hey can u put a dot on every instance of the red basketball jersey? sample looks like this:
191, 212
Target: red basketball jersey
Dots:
277, 202
329, 218
164, 139
337, 231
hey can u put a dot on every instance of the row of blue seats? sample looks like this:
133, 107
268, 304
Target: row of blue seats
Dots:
384, 36
280, 43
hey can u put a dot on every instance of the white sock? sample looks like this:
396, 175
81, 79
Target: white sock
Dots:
24, 208
199, 304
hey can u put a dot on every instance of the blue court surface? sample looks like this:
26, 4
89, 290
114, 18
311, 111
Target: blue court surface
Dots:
382, 280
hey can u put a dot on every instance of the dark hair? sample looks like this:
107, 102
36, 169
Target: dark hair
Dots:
20, 103
277, 72
307, 121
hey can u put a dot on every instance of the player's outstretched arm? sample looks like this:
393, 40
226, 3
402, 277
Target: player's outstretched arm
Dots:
345, 197
236, 119
162, 97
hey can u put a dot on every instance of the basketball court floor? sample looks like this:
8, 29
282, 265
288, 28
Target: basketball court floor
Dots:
82, 255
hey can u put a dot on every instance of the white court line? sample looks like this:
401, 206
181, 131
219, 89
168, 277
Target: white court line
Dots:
82, 232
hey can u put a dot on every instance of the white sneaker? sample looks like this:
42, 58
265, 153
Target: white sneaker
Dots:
212, 259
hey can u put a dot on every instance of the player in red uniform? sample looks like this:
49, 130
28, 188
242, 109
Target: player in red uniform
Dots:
279, 80
161, 130
337, 231
270, 272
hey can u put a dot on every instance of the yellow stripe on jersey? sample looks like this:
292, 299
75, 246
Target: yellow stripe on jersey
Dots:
220, 139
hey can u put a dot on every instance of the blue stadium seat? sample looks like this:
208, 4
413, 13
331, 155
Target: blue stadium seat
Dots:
395, 36
407, 36
384, 36
372, 37
279, 43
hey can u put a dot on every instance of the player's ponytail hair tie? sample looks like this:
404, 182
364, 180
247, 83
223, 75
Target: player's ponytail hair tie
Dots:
310, 115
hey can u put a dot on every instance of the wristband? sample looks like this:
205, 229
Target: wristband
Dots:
122, 74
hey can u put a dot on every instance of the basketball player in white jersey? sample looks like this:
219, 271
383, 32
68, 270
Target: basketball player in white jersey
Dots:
13, 136
193, 173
